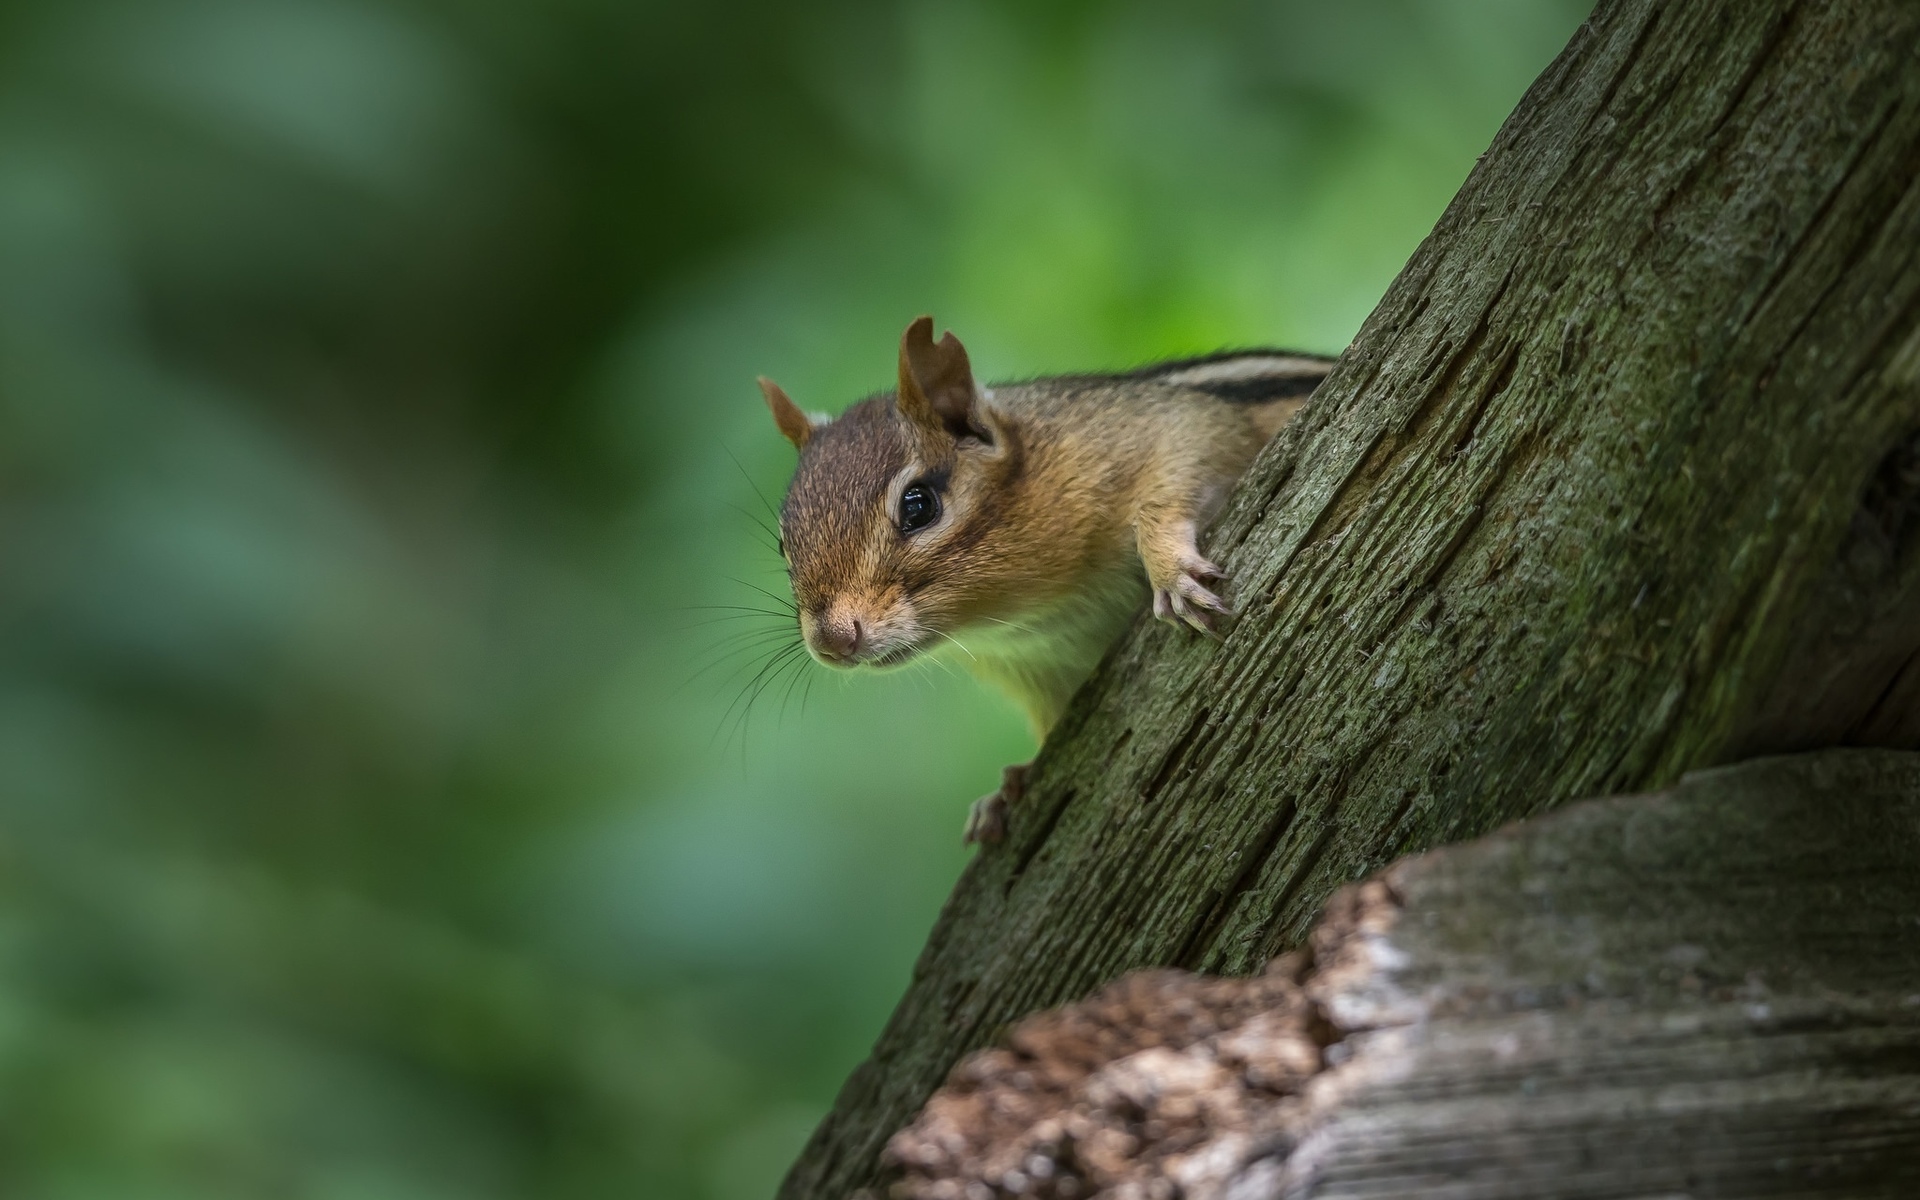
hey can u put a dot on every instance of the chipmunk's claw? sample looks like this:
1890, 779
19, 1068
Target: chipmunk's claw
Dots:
1185, 600
987, 819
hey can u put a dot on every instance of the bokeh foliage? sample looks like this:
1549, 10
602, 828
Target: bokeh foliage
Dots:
376, 416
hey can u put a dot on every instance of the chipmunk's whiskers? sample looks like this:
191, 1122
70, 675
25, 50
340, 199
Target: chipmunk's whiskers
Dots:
956, 641
782, 601
770, 535
1013, 625
760, 495
736, 612
734, 722
760, 649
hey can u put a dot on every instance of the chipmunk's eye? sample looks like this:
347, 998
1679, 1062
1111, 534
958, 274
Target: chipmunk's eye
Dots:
919, 508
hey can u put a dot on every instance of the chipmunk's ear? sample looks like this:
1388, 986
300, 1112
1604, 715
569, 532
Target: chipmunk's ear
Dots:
795, 425
937, 391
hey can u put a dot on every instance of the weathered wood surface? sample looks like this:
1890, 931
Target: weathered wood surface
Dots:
1712, 991
1573, 516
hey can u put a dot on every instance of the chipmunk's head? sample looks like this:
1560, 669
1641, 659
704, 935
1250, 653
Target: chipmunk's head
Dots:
888, 528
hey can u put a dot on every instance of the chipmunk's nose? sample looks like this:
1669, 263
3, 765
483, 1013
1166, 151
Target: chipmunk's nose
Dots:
838, 637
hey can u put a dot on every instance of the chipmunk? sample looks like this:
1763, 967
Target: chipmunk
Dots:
1030, 519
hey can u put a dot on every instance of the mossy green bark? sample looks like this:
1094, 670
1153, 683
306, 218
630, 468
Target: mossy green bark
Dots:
1589, 481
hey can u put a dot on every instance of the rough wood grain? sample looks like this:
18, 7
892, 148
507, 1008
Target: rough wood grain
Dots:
1713, 991
1563, 522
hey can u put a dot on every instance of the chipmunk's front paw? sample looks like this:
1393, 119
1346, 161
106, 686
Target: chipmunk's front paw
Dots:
1184, 598
987, 819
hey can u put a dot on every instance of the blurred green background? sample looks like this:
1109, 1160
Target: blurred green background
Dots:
376, 412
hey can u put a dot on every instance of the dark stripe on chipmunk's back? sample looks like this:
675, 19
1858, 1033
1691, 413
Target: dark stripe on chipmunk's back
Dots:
1243, 376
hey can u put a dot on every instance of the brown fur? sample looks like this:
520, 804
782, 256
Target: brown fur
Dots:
1065, 502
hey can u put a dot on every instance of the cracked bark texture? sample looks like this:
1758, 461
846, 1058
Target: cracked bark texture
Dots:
1595, 1004
1618, 481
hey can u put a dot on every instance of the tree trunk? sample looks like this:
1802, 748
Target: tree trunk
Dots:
1620, 480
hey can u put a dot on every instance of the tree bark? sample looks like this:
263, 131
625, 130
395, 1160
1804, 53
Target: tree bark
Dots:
1618, 481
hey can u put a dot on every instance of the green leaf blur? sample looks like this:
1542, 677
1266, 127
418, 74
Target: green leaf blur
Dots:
381, 813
